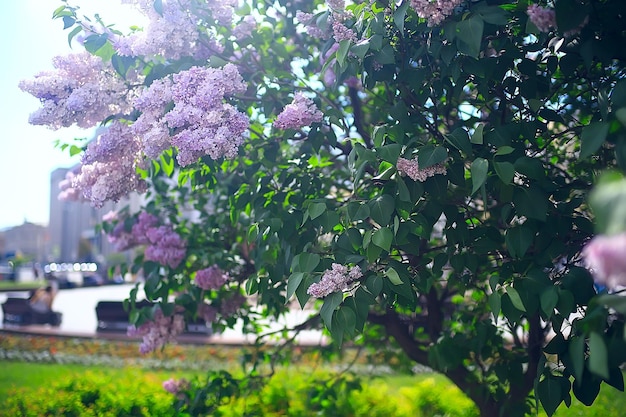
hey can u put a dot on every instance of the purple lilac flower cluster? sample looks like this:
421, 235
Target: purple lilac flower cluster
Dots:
341, 32
175, 386
434, 11
542, 17
82, 90
202, 122
171, 32
67, 191
605, 256
231, 304
411, 168
108, 168
335, 279
300, 113
207, 312
244, 28
123, 240
211, 278
158, 332
164, 245
309, 21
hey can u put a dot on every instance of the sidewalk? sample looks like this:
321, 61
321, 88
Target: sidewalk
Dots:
78, 307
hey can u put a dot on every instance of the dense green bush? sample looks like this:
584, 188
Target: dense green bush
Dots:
288, 393
93, 394
293, 394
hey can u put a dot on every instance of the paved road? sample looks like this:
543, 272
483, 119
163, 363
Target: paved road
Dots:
78, 307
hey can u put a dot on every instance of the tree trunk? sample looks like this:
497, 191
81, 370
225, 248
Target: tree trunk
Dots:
487, 405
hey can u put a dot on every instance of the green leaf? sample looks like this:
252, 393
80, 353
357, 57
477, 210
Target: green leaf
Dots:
389, 153
570, 14
516, 300
531, 202
549, 393
616, 302
342, 52
393, 276
328, 308
361, 48
477, 136
505, 170
93, 43
316, 209
608, 201
598, 358
346, 320
518, 239
587, 389
504, 150
383, 238
576, 350
293, 282
374, 284
478, 170
399, 15
469, 36
460, 139
592, 138
492, 14
495, 304
305, 262
548, 299
621, 115
158, 6
385, 55
430, 155
68, 22
73, 34
381, 209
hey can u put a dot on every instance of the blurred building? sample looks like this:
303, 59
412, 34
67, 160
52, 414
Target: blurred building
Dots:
28, 241
72, 226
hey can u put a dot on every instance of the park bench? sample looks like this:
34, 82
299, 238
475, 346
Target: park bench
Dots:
113, 318
18, 312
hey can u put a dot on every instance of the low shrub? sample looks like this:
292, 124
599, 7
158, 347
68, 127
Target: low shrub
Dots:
93, 394
289, 393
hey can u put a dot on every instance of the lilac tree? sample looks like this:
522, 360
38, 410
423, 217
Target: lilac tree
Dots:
418, 171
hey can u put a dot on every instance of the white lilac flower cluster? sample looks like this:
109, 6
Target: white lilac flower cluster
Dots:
543, 18
211, 278
410, 167
335, 279
301, 112
158, 332
164, 245
171, 31
434, 11
109, 165
605, 256
203, 124
82, 90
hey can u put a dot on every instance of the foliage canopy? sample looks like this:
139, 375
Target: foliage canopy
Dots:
432, 164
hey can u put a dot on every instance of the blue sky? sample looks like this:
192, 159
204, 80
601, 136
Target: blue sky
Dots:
29, 39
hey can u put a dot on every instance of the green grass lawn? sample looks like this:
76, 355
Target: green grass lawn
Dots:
20, 375
28, 374
21, 286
